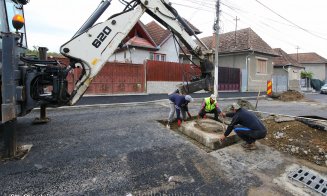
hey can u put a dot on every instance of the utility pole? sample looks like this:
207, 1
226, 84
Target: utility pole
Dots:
236, 19
297, 53
217, 47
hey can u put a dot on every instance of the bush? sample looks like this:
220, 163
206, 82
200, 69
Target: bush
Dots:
317, 84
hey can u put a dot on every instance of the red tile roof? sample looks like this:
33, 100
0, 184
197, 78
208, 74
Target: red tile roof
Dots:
284, 59
158, 33
150, 35
140, 42
139, 37
246, 40
309, 58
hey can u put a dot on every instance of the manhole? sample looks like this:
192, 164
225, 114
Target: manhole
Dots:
310, 179
205, 133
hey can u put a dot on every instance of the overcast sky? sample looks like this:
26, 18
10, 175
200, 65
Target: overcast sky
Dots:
286, 24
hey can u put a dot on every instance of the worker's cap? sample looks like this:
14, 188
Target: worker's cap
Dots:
212, 96
235, 106
188, 98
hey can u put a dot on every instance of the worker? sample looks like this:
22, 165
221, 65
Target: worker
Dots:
178, 103
210, 105
246, 125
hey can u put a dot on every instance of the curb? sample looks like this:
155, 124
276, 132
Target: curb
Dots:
140, 103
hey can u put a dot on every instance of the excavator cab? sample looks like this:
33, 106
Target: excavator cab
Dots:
11, 21
9, 9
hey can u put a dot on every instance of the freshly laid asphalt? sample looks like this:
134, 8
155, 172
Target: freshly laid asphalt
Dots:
122, 149
89, 100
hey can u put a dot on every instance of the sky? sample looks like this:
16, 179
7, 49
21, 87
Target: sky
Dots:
292, 25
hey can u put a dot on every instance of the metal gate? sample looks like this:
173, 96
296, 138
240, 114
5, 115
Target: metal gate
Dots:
280, 83
115, 78
229, 79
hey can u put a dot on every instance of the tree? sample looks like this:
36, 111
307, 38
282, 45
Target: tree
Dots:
35, 52
306, 74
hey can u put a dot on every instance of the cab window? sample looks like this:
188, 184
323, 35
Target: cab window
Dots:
2, 22
13, 9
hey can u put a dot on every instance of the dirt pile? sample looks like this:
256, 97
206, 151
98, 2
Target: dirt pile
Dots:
297, 139
290, 96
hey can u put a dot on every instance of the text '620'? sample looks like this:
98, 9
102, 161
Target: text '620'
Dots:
101, 37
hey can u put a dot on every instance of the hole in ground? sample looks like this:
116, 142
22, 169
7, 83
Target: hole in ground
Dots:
197, 140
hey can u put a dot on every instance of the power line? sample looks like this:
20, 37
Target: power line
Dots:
260, 24
194, 4
193, 7
291, 21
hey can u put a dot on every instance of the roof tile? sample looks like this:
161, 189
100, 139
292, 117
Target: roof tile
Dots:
158, 34
284, 59
311, 57
246, 40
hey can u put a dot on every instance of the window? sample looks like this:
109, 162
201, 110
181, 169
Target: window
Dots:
163, 57
261, 66
12, 9
157, 56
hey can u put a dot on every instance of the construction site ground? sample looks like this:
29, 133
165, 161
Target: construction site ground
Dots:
121, 149
292, 137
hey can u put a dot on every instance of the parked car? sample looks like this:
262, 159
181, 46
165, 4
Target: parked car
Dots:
323, 89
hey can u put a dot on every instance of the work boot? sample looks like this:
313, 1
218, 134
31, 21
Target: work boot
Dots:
245, 145
249, 147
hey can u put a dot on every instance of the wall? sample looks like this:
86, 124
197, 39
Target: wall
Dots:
251, 81
169, 49
258, 81
158, 87
136, 56
114, 78
318, 70
294, 75
236, 61
280, 80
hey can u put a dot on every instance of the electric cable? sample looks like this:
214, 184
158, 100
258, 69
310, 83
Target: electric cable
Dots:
290, 21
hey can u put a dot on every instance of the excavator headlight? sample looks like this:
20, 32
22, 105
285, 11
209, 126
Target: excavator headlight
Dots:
18, 21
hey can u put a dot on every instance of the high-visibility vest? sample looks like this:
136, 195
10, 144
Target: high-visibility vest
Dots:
209, 107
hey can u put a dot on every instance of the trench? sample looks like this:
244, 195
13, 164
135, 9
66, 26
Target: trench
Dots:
316, 122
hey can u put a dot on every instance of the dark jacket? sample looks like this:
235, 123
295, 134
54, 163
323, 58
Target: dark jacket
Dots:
246, 119
180, 103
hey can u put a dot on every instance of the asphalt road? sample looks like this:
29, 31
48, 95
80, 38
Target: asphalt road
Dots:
122, 149
114, 150
89, 100
321, 98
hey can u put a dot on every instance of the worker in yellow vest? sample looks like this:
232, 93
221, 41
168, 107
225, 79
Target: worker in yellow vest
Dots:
210, 105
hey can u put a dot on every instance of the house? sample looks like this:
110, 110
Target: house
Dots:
246, 51
287, 72
245, 59
314, 63
150, 41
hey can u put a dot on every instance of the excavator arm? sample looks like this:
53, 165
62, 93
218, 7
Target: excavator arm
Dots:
91, 46
29, 82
